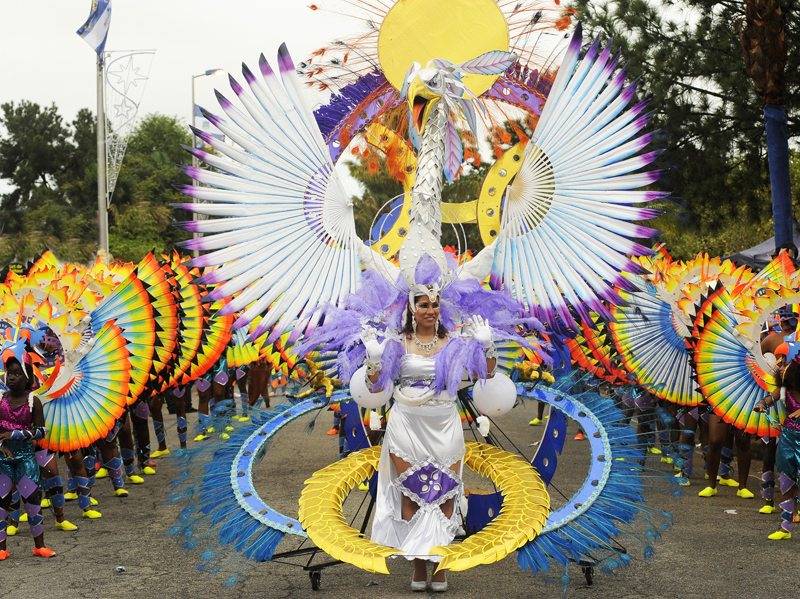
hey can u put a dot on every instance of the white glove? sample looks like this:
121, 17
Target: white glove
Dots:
374, 347
374, 421
481, 331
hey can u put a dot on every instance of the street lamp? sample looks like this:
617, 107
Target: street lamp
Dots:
194, 139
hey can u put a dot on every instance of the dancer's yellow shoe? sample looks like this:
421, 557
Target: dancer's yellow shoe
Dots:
707, 492
535, 422
92, 514
159, 453
120, 492
201, 437
134, 479
225, 436
66, 525
780, 535
682, 480
70, 496
654, 450
101, 473
666, 460
244, 419
235, 417
728, 482
12, 530
767, 509
23, 517
210, 429
93, 501
229, 429
148, 471
744, 494
45, 502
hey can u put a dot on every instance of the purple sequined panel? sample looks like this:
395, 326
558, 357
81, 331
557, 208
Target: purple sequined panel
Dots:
11, 419
430, 483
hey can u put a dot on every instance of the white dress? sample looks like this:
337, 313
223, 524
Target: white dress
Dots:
424, 429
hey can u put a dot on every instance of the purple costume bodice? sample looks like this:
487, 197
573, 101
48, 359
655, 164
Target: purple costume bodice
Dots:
11, 418
792, 405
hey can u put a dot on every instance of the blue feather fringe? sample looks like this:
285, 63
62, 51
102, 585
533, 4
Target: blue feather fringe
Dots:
618, 513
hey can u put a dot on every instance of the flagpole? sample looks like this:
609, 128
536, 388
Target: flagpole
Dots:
102, 200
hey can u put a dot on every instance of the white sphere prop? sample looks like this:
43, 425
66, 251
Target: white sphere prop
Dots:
363, 396
495, 396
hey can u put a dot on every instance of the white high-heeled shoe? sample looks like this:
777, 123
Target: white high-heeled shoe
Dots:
419, 585
439, 587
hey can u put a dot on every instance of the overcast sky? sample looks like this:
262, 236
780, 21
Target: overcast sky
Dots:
43, 60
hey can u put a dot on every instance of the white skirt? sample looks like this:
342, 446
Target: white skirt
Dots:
431, 439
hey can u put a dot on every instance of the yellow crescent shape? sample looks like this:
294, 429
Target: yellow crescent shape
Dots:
494, 185
526, 505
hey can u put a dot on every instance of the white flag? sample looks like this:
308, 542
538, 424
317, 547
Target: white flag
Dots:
95, 30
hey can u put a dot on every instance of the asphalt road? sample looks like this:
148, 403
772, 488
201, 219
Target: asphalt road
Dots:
708, 553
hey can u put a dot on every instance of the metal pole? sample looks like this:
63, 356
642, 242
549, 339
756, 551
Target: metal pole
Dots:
195, 235
102, 200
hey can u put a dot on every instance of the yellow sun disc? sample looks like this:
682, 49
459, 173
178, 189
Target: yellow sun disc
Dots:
454, 30
525, 508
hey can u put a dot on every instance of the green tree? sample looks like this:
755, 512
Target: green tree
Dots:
689, 57
52, 169
141, 208
40, 157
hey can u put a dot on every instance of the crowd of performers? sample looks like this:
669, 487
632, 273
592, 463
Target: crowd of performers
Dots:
90, 356
704, 352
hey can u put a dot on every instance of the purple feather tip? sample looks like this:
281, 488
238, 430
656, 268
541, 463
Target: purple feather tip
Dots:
639, 107
201, 262
211, 118
248, 74
193, 226
656, 195
646, 232
184, 189
577, 38
648, 213
266, 70
285, 63
654, 175
192, 244
645, 140
199, 154
201, 134
605, 53
192, 171
184, 206
651, 156
240, 323
629, 92
223, 101
237, 89
591, 53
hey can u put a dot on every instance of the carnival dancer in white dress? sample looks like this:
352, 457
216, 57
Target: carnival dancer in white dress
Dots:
419, 479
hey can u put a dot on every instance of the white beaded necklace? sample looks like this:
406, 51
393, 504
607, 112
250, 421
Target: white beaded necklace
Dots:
426, 347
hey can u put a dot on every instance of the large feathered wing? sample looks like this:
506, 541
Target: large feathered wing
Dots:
566, 226
283, 233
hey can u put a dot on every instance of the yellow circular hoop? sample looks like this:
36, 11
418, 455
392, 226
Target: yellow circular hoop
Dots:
526, 505
454, 30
